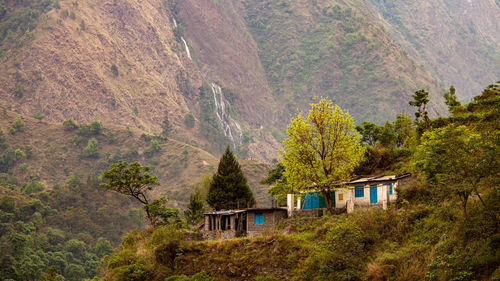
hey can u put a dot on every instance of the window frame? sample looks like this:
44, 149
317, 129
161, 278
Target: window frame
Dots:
359, 191
258, 218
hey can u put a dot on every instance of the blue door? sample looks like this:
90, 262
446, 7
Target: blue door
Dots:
307, 202
373, 194
315, 200
311, 200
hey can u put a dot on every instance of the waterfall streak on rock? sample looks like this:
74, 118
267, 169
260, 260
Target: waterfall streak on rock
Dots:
225, 119
187, 48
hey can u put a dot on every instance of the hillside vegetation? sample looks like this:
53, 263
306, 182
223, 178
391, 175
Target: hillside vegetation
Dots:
429, 234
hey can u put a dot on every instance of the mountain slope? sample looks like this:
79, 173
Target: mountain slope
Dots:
55, 152
457, 41
333, 48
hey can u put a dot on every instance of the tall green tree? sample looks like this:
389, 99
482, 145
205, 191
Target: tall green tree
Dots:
451, 100
194, 212
279, 187
420, 100
132, 180
322, 150
229, 188
457, 161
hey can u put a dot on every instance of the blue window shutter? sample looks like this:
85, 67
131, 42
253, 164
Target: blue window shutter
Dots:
359, 191
258, 218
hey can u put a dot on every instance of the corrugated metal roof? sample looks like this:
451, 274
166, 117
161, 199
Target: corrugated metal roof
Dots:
233, 212
369, 179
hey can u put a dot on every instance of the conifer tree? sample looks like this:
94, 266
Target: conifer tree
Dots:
229, 188
420, 100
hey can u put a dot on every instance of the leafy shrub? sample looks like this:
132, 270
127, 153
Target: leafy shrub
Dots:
3, 140
23, 167
122, 258
73, 181
201, 276
69, 125
75, 272
134, 272
114, 70
32, 187
95, 128
28, 149
19, 92
18, 124
103, 247
111, 137
77, 140
92, 149
339, 256
39, 116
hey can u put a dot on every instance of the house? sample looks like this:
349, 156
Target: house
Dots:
245, 222
363, 192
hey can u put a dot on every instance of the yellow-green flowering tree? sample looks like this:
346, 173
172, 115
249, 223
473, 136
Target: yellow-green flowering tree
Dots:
322, 150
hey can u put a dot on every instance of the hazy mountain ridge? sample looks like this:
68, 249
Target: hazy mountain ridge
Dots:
458, 41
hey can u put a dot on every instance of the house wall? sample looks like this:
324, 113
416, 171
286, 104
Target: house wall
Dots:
345, 196
382, 190
270, 218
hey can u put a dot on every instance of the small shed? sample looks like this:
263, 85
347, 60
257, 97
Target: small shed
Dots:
225, 224
260, 221
246, 222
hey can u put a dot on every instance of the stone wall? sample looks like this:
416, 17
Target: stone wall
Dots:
270, 219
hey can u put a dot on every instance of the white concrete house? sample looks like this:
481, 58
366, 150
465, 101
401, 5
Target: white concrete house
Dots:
363, 192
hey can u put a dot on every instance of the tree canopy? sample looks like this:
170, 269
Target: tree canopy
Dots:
229, 188
322, 150
420, 100
132, 180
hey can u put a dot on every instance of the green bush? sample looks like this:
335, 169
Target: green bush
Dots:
69, 125
92, 149
201, 276
73, 181
114, 70
32, 187
103, 247
19, 92
39, 116
75, 272
3, 140
95, 128
339, 256
111, 137
18, 124
134, 272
